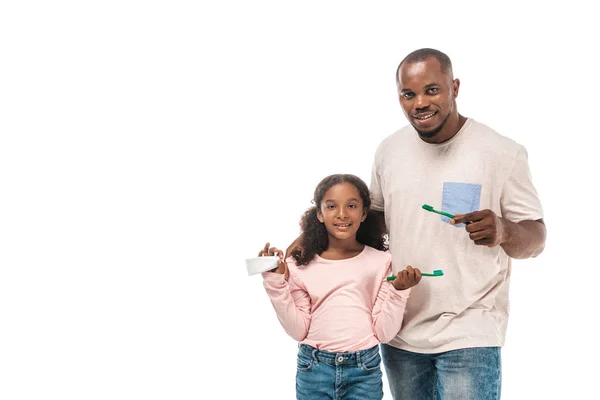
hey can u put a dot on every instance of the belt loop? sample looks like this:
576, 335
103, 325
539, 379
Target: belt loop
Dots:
358, 361
314, 355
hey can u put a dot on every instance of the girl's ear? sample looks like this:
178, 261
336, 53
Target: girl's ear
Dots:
320, 216
364, 215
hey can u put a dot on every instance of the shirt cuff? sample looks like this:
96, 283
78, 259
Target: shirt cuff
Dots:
399, 294
273, 279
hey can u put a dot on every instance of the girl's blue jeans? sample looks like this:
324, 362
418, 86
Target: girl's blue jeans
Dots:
325, 375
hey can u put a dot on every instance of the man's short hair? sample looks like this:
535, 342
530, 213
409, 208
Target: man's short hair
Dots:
422, 55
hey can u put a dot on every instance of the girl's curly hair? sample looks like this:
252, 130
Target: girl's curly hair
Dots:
371, 232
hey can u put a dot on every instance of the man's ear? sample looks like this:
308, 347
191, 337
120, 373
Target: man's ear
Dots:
455, 86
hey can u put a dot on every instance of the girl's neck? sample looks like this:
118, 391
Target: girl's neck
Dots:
341, 250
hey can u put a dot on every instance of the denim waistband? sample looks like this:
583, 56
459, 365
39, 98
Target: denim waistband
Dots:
354, 357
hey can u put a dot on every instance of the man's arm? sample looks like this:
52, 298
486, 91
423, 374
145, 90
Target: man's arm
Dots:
296, 245
524, 239
379, 216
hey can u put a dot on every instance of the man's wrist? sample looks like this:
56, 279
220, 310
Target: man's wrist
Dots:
506, 228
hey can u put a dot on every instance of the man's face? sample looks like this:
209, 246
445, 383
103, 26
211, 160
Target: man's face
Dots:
427, 96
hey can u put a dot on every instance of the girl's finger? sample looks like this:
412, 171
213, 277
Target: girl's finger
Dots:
401, 275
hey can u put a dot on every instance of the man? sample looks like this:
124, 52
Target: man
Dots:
454, 325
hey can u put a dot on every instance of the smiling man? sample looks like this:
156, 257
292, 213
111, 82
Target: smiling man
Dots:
454, 325
428, 94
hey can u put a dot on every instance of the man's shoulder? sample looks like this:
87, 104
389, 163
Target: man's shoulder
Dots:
404, 133
401, 136
491, 137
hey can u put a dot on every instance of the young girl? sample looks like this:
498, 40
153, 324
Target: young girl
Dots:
333, 297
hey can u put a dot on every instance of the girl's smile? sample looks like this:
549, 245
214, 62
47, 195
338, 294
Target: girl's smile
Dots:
342, 211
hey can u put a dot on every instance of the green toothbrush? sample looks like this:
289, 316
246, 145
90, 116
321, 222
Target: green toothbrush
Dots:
433, 210
445, 214
437, 272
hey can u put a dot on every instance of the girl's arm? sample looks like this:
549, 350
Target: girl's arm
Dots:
291, 302
388, 311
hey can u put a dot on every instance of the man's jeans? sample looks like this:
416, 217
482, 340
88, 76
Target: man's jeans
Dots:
464, 374
352, 376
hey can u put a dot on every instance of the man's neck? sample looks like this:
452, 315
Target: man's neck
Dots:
451, 128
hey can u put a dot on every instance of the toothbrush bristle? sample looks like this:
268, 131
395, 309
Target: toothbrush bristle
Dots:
427, 207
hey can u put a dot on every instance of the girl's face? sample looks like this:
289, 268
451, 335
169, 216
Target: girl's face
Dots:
342, 211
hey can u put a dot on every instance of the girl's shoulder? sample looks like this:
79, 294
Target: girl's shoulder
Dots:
383, 255
293, 267
291, 262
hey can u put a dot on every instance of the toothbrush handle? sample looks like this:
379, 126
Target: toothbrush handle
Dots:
451, 216
391, 278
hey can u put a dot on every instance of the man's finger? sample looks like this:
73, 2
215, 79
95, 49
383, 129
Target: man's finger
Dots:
484, 242
473, 227
466, 219
479, 235
461, 218
289, 250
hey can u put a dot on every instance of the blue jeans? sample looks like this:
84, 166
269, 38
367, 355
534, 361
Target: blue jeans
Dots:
352, 376
463, 374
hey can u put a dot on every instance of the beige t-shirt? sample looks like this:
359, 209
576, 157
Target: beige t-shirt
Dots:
477, 169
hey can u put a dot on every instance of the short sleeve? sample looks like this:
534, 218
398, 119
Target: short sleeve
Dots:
519, 200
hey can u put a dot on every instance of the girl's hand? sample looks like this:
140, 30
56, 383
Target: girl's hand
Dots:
407, 278
281, 264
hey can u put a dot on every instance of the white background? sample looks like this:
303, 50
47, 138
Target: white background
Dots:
147, 148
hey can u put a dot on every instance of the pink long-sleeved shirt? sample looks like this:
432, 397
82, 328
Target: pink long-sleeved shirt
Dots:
338, 305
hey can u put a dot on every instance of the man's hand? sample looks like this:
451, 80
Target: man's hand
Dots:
485, 227
297, 244
519, 240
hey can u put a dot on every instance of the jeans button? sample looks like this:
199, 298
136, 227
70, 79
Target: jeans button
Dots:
340, 359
